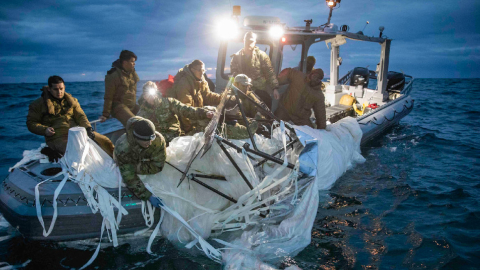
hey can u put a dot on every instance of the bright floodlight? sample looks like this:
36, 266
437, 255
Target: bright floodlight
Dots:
276, 31
227, 29
331, 3
152, 91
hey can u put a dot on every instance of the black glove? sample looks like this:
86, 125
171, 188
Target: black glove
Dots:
231, 122
231, 102
51, 154
90, 133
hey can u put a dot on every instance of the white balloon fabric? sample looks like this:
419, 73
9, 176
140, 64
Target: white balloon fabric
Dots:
288, 196
93, 170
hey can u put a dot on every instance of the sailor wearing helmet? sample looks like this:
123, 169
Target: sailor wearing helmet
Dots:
165, 112
244, 84
141, 150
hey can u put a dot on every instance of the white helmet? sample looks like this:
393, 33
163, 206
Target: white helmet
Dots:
243, 79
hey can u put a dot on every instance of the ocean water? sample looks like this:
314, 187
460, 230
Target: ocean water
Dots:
414, 203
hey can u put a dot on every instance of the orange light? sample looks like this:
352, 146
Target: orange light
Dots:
331, 3
284, 39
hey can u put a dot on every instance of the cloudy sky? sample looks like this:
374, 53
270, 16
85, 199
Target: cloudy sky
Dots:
79, 40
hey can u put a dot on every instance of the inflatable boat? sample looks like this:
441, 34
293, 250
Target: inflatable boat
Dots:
379, 100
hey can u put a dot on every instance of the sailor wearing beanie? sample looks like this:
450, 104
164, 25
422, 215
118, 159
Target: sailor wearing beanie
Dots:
141, 150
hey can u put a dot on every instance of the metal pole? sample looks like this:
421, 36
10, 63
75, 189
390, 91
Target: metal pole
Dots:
329, 16
214, 190
239, 102
258, 153
276, 153
216, 177
263, 110
233, 162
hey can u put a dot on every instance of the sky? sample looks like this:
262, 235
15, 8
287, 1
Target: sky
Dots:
79, 40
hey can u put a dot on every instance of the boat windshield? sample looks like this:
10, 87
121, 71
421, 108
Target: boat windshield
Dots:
292, 56
233, 47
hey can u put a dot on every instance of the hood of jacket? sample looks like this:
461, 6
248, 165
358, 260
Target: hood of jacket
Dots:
48, 100
129, 129
186, 72
117, 64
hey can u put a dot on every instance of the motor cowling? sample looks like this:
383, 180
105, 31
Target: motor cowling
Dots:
360, 76
395, 81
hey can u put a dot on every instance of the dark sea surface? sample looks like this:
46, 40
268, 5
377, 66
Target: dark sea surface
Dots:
414, 203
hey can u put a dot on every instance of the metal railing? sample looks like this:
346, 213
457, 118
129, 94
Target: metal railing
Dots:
345, 78
94, 124
408, 87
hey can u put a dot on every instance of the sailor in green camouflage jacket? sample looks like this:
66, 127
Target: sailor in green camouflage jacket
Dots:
141, 150
164, 112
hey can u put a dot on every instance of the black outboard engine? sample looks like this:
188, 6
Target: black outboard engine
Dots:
395, 81
360, 76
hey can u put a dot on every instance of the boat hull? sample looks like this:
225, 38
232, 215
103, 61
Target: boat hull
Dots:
379, 120
75, 218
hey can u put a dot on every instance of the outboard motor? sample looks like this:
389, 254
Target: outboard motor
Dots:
360, 76
395, 81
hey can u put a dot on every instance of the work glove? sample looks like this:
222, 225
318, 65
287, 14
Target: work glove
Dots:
51, 154
155, 201
90, 133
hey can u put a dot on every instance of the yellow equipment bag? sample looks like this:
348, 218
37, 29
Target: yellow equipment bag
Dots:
347, 100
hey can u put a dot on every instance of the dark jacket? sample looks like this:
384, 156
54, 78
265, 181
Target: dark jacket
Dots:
48, 111
259, 69
299, 100
193, 92
120, 88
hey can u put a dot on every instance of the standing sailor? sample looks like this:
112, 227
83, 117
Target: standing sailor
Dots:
121, 89
256, 64
55, 112
141, 150
303, 94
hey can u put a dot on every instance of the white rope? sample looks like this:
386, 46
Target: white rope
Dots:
154, 234
55, 196
209, 251
95, 254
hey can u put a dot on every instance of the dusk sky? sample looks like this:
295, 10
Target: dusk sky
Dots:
79, 40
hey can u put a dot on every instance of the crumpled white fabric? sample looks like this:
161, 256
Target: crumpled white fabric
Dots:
292, 201
93, 170
29, 155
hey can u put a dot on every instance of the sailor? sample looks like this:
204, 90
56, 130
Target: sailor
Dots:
255, 63
164, 112
121, 89
244, 84
303, 94
55, 112
141, 150
310, 64
191, 88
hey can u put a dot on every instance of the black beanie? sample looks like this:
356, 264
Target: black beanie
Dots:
143, 130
